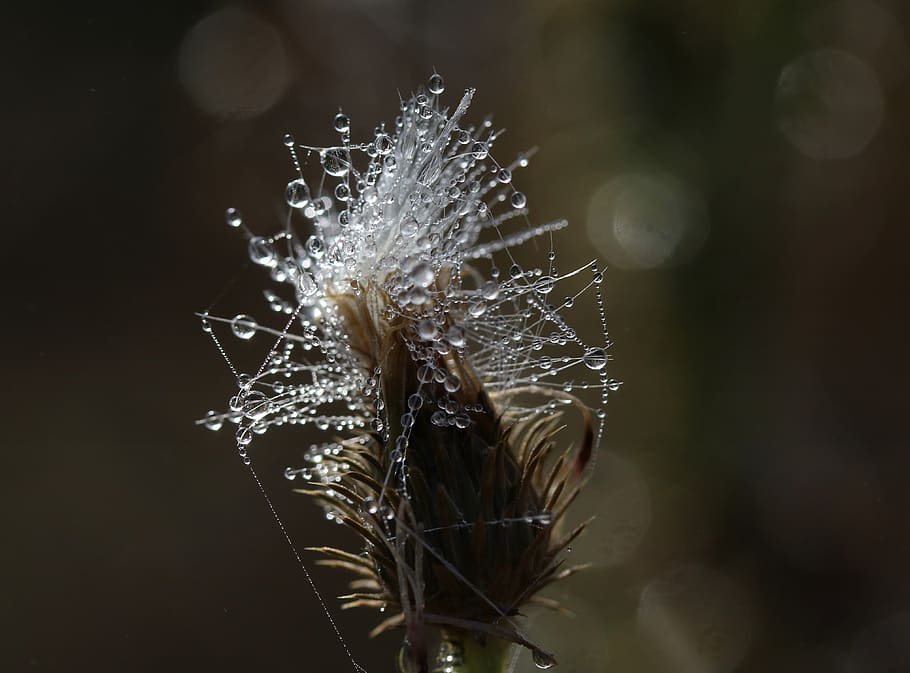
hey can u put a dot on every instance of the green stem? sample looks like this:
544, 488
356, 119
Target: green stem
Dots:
462, 652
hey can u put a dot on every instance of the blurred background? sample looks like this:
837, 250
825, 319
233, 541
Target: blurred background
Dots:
740, 165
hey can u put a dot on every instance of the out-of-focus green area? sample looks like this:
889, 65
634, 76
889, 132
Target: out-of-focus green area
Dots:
741, 167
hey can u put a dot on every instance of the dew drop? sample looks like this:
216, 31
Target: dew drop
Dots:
369, 504
415, 401
543, 659
490, 290
478, 308
244, 436
436, 85
243, 326
290, 473
456, 336
384, 144
342, 123
545, 285
213, 420
297, 193
426, 329
519, 200
288, 140
335, 162
261, 252
306, 284
595, 358
504, 176
315, 247
233, 217
422, 274
452, 384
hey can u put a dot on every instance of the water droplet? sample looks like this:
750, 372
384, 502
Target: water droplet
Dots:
456, 336
595, 358
244, 436
463, 137
342, 123
261, 252
315, 247
504, 176
290, 473
519, 200
369, 504
427, 330
478, 308
297, 193
422, 274
307, 284
342, 192
243, 326
233, 217
415, 401
452, 384
543, 659
335, 162
436, 85
480, 150
490, 290
288, 140
545, 285
213, 420
384, 144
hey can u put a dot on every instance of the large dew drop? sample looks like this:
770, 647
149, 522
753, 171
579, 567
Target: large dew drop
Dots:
543, 659
595, 358
243, 326
297, 194
335, 163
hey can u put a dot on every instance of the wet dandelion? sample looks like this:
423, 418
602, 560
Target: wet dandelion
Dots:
442, 377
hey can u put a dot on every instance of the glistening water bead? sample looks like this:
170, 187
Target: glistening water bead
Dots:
243, 326
595, 358
233, 218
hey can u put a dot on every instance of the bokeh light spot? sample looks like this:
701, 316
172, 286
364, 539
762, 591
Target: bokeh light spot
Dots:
643, 221
233, 64
829, 104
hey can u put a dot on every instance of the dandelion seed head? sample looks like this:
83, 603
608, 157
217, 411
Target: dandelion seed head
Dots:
403, 321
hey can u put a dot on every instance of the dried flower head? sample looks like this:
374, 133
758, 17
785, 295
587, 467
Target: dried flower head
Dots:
443, 378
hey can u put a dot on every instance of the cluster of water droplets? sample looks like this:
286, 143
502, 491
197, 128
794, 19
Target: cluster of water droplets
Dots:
419, 222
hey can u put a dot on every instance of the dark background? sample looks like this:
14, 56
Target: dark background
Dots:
752, 495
